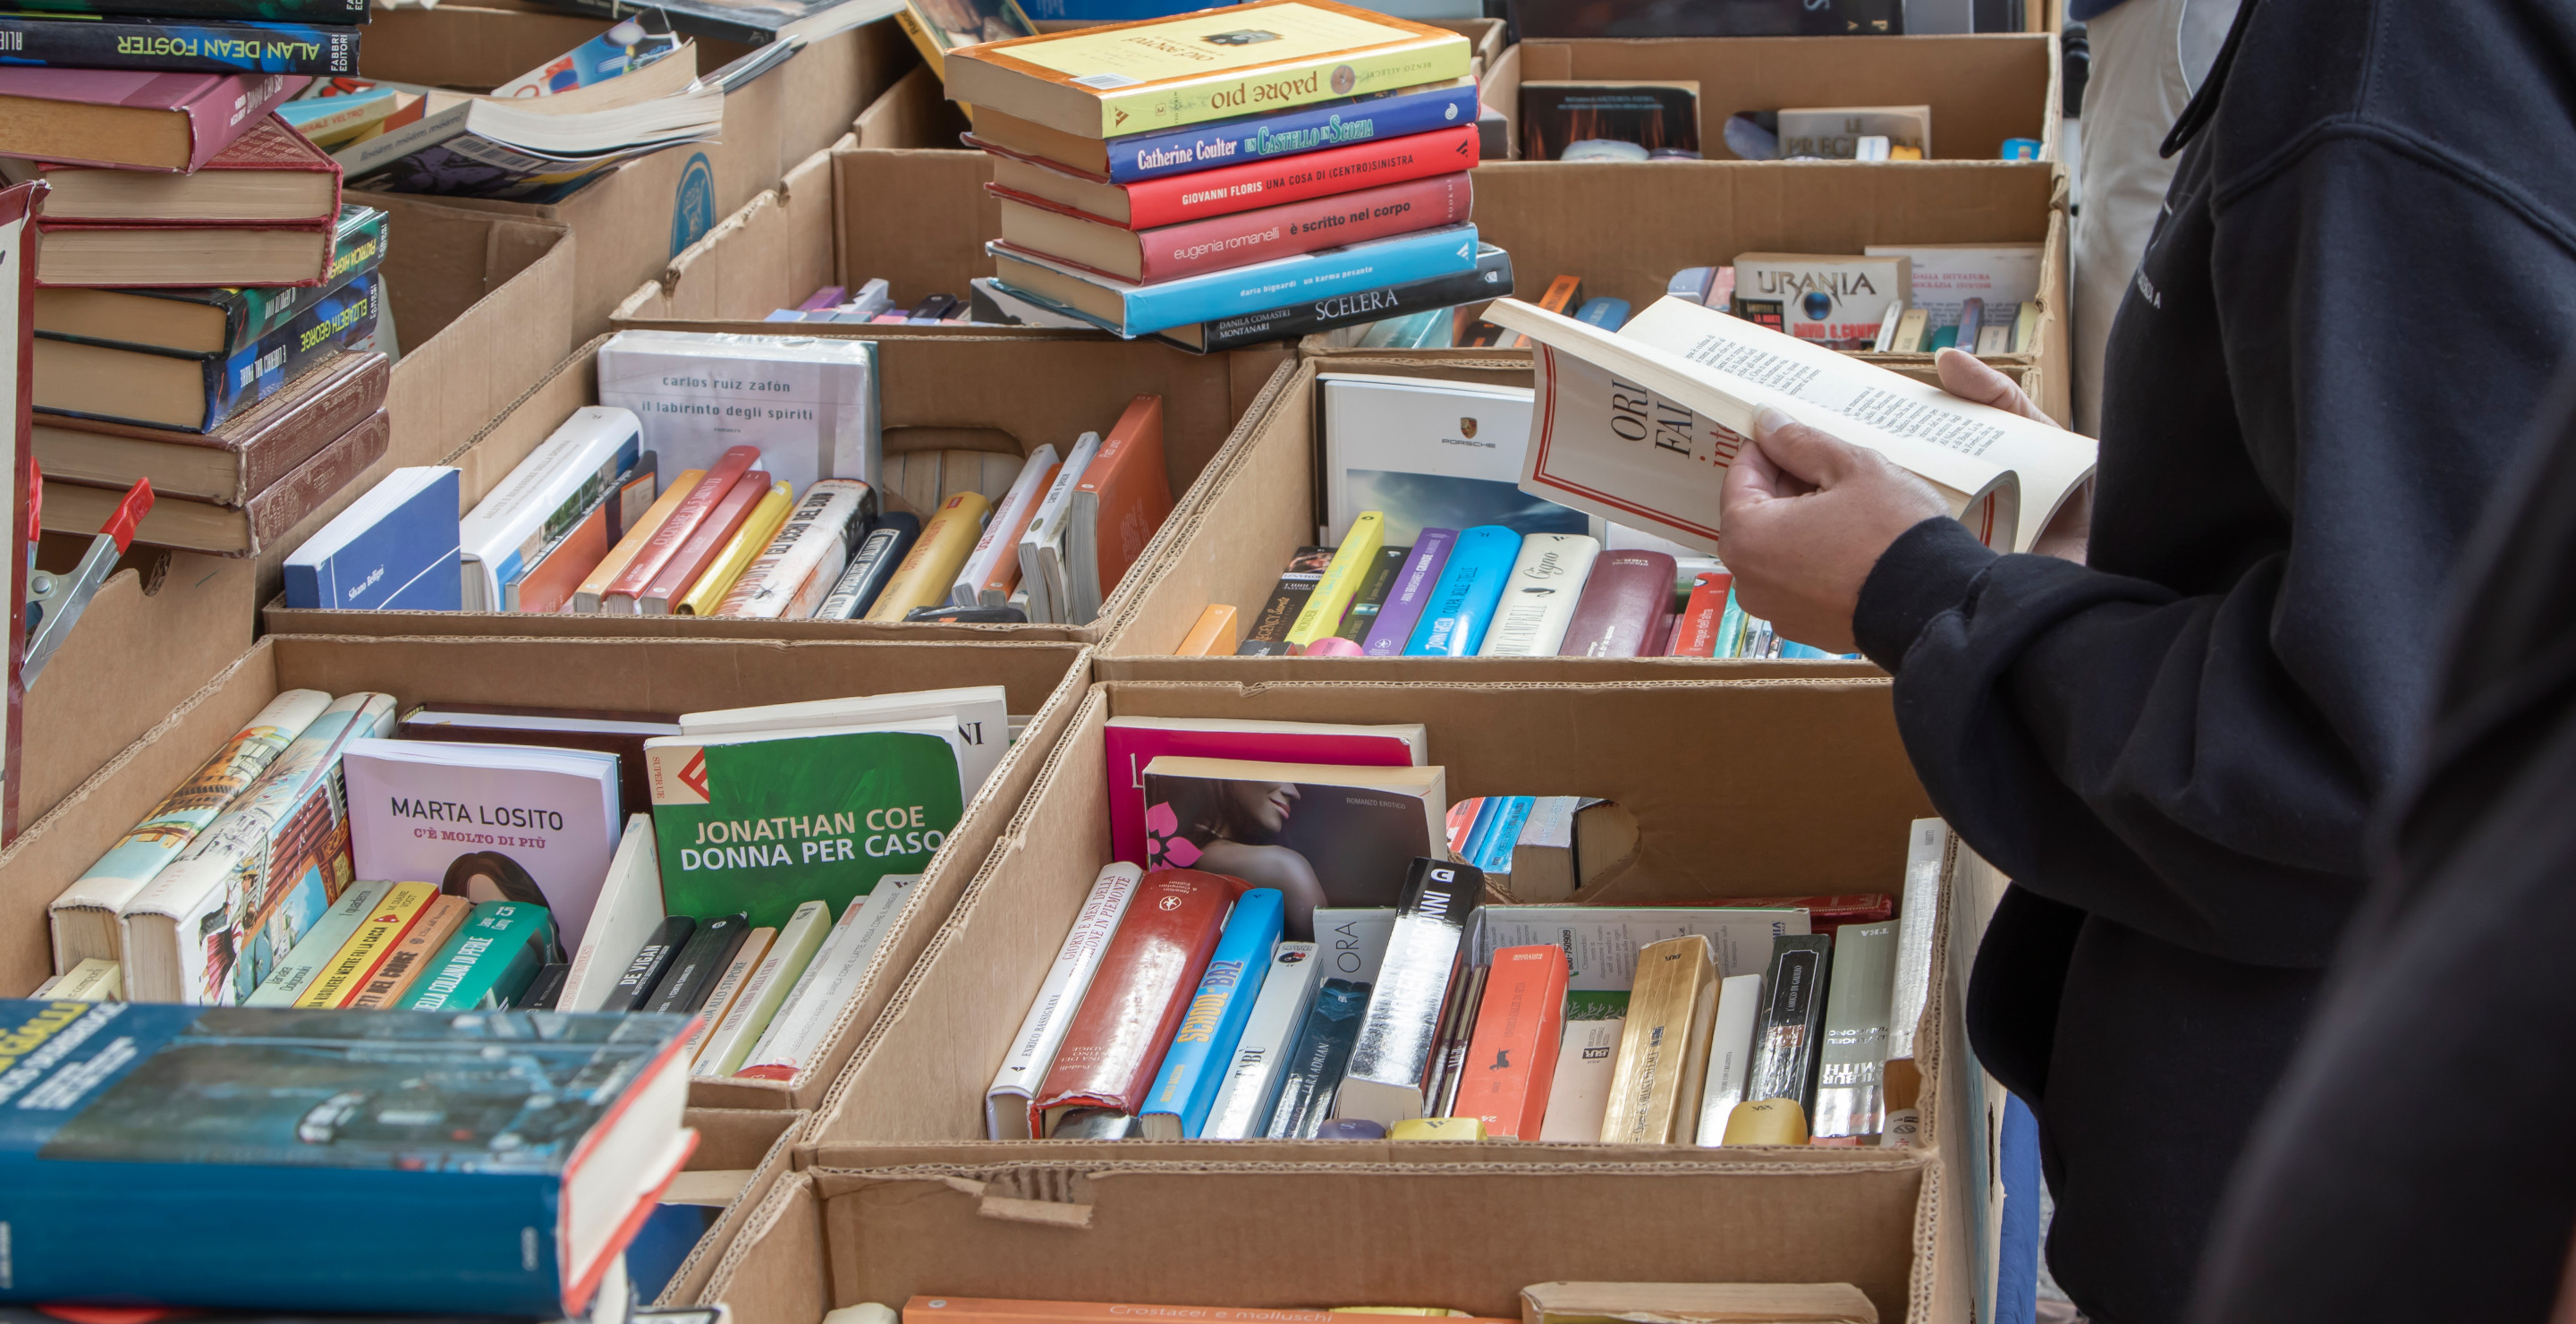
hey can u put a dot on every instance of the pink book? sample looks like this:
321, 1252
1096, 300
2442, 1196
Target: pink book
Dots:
136, 119
1134, 742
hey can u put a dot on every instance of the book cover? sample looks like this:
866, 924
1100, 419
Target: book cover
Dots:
1941, 278
488, 822
809, 405
809, 550
1323, 835
1461, 608
1236, 140
1147, 974
543, 499
1730, 1054
1851, 1099
1511, 1057
629, 909
1254, 183
1663, 1050
1131, 309
1185, 1088
1538, 598
606, 731
1321, 616
1654, 115
1785, 1056
1491, 278
1392, 1062
1695, 632
587, 595
1123, 498
1042, 1030
1624, 601
495, 953
979, 713
180, 45
1431, 454
411, 957
768, 516
1411, 592
1252, 1079
1579, 1096
1236, 239
137, 119
1311, 1078
350, 1109
765, 821
1835, 301
244, 456
1268, 55
1834, 132
1131, 743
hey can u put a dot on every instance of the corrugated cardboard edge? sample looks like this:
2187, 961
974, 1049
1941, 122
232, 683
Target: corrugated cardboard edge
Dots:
782, 1242
775, 1164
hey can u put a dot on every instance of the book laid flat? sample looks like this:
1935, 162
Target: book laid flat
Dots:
260, 11
195, 392
1137, 997
1236, 239
212, 320
1707, 372
575, 1130
202, 45
1134, 157
129, 255
1131, 309
244, 530
1165, 73
242, 457
752, 22
268, 174
1149, 204
541, 150
136, 119
1490, 278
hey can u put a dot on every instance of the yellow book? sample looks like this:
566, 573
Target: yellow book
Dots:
95, 979
1332, 595
739, 552
1438, 1128
586, 598
1663, 1051
427, 938
1215, 635
930, 571
369, 946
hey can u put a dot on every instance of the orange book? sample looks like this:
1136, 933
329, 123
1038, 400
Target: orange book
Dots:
627, 589
1564, 295
586, 597
1213, 636
988, 1310
1511, 1058
1122, 500
437, 923
550, 583
699, 550
995, 591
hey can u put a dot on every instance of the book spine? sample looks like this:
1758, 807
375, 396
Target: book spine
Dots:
1371, 597
796, 1039
1654, 1089
870, 567
276, 511
255, 373
624, 592
738, 552
693, 977
247, 11
1172, 104
1251, 1088
493, 955
228, 109
1511, 1055
1312, 1078
1391, 1063
1263, 183
1454, 620
1623, 605
1127, 1019
1317, 275
691, 558
1850, 1098
413, 954
1266, 234
1185, 1087
1927, 859
357, 250
1135, 158
781, 968
1730, 625
813, 536
927, 573
319, 946
738, 971
644, 970
1268, 636
1785, 1060
374, 940
1537, 604
1490, 278
1730, 1054
1695, 632
204, 46
1322, 614
1414, 586
1042, 1031
1001, 539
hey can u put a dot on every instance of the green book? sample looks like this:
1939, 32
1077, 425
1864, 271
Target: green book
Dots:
491, 960
763, 821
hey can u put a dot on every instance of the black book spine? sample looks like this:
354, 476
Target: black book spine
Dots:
179, 45
652, 962
336, 321
247, 11
1491, 279
1315, 1065
701, 964
1268, 636
874, 563
543, 991
1791, 1045
1372, 594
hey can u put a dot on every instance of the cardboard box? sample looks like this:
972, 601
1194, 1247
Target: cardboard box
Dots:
759, 1143
1780, 788
633, 222
1044, 680
945, 392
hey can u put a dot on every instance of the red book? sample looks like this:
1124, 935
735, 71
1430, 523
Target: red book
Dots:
691, 558
1695, 633
132, 119
1146, 978
1221, 242
1511, 1058
1124, 496
270, 176
620, 596
1623, 603
1225, 190
1825, 914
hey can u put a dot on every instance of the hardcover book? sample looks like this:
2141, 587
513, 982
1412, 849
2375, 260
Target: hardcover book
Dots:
1243, 139
1202, 1051
197, 392
136, 119
1623, 604
222, 320
571, 1124
1133, 742
268, 174
1136, 1001
1131, 310
1663, 1051
246, 530
1391, 1065
1235, 239
1323, 835
243, 457
197, 45
1033, 1049
809, 405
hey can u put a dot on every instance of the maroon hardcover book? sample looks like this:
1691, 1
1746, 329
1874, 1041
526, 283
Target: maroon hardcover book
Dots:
1239, 240
1147, 974
1623, 604
133, 119
244, 456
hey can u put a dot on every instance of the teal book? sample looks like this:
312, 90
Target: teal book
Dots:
491, 960
763, 821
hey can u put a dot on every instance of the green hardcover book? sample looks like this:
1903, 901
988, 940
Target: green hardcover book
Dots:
491, 960
221, 320
762, 822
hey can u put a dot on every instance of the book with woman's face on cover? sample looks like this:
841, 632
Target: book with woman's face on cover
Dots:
1323, 834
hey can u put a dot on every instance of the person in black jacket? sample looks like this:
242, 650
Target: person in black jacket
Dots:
2364, 275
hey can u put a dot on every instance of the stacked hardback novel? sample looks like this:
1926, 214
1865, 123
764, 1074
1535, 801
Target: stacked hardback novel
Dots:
1233, 176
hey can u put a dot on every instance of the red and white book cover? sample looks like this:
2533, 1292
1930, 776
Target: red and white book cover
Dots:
1134, 742
1145, 981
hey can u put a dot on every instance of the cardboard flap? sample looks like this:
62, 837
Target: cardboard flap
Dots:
1049, 1197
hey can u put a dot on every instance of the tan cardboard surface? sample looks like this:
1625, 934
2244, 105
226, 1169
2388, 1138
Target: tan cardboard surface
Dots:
938, 393
1044, 681
773, 253
759, 1141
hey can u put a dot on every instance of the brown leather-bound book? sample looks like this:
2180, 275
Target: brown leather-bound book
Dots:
241, 458
198, 526
1623, 606
1151, 967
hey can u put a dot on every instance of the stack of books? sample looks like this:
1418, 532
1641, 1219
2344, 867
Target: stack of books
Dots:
1236, 175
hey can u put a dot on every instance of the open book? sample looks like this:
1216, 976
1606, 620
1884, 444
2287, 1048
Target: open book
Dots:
1641, 425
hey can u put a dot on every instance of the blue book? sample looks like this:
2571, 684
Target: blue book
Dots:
1194, 1069
1305, 129
398, 548
1607, 314
1108, 11
1498, 832
262, 1155
1463, 605
1802, 652
1135, 310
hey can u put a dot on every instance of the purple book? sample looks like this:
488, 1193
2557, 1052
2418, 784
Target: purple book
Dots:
206, 113
1413, 586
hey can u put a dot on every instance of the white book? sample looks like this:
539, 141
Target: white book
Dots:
1705, 374
1834, 132
825, 957
1946, 276
93, 980
83, 918
1251, 1088
508, 531
1042, 1030
1833, 300
729, 985
1927, 861
621, 920
791, 576
799, 1036
1350, 941
1042, 546
1730, 1054
1431, 453
1587, 1056
1601, 942
666, 103
982, 723
780, 968
810, 405
488, 822
1539, 596
999, 533
316, 948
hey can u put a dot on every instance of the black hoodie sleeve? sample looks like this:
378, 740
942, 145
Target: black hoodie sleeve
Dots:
2188, 749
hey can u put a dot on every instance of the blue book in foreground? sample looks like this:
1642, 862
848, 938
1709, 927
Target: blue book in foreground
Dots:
1134, 310
296, 1160
1453, 624
1194, 1068
396, 549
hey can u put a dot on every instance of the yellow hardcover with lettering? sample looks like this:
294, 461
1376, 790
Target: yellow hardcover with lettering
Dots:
367, 948
1663, 1052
